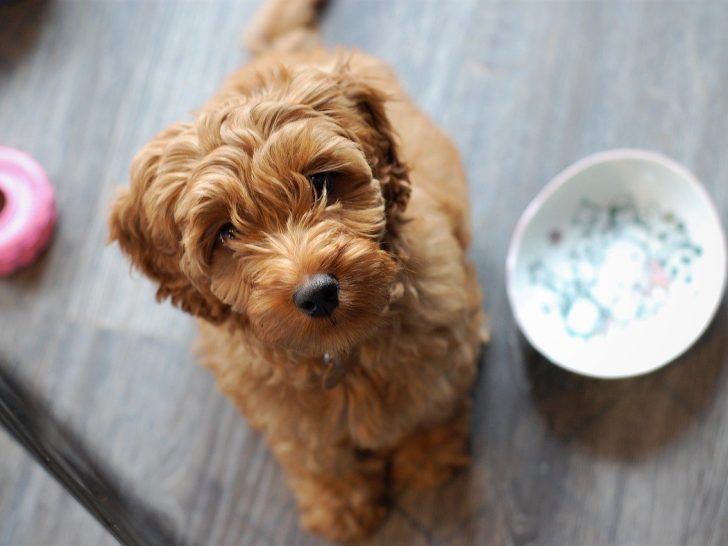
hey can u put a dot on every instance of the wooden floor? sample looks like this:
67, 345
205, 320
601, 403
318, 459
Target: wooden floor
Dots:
525, 88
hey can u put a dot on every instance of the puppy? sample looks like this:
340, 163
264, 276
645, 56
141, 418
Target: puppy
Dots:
316, 222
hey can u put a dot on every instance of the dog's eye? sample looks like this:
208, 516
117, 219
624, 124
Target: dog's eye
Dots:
226, 233
321, 182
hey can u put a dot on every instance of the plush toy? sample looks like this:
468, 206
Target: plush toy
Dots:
27, 210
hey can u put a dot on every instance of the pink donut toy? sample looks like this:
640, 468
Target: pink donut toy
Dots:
27, 210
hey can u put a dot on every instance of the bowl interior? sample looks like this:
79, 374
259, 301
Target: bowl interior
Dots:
618, 266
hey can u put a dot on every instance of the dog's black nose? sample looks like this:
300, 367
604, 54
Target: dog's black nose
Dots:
318, 295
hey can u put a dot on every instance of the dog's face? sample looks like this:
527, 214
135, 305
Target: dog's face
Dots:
271, 210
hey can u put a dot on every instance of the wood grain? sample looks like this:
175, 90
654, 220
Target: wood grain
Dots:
525, 88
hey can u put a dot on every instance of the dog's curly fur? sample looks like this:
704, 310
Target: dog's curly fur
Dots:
392, 228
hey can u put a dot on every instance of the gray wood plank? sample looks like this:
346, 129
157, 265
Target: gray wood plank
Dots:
525, 87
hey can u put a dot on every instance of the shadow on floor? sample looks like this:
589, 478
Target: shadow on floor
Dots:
630, 419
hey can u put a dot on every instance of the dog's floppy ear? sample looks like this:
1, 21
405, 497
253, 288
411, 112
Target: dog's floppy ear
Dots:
385, 160
142, 220
362, 112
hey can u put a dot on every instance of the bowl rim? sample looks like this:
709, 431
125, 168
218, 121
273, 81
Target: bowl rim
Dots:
547, 192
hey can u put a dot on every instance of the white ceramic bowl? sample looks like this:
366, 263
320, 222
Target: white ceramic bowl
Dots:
618, 265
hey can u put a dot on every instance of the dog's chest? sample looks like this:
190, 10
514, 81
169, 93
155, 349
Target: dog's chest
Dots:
379, 401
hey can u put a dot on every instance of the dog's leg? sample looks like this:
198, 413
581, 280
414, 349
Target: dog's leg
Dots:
429, 457
340, 493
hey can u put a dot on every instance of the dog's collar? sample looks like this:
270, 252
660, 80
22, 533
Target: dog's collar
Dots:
336, 368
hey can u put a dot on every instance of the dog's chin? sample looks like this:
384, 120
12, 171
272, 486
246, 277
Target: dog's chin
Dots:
318, 337
286, 327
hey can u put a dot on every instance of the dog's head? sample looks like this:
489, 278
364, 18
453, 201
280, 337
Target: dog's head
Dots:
274, 210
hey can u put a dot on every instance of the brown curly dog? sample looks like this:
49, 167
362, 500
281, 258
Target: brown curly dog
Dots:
316, 221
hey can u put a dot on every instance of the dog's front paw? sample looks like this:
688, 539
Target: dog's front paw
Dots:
341, 511
430, 457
